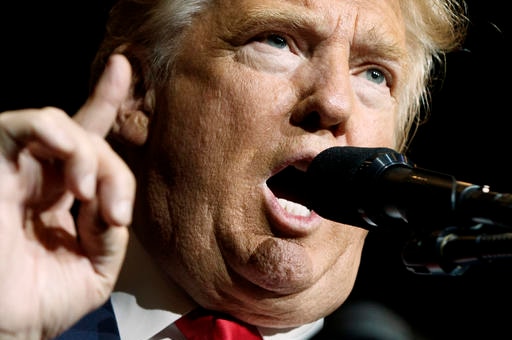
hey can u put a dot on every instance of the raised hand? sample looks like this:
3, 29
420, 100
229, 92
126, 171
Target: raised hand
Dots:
54, 268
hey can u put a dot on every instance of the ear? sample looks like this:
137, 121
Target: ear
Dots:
131, 125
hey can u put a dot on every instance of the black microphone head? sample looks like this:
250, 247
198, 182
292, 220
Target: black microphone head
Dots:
339, 178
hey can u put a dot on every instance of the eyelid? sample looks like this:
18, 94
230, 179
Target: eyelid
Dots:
386, 69
290, 41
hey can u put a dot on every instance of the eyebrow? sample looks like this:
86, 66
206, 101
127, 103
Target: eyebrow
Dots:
373, 43
264, 16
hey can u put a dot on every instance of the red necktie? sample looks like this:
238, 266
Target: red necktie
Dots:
201, 324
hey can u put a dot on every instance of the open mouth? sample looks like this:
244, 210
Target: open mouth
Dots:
291, 188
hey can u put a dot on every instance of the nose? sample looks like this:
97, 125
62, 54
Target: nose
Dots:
328, 97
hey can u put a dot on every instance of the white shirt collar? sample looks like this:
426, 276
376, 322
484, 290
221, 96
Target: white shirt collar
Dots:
137, 323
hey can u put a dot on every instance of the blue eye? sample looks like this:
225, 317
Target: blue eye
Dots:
375, 75
276, 40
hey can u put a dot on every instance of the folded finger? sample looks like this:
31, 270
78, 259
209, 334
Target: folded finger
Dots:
49, 135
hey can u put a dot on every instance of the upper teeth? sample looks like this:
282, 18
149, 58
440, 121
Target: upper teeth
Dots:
294, 208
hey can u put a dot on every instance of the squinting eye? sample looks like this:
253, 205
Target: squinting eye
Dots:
375, 75
276, 41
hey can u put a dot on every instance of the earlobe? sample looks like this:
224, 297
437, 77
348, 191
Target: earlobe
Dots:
131, 127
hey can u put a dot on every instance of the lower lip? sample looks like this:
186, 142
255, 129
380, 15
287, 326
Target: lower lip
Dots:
286, 222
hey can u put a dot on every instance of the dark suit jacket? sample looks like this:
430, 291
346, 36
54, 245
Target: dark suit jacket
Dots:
101, 324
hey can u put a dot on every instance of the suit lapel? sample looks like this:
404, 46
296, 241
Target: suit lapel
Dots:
100, 324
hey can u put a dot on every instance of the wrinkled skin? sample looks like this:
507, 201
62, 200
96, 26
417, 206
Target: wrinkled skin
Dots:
259, 86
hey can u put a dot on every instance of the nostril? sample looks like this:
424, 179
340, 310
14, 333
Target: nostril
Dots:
314, 121
310, 122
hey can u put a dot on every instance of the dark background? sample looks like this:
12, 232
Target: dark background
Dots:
45, 52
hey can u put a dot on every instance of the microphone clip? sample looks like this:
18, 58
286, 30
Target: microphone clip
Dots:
452, 251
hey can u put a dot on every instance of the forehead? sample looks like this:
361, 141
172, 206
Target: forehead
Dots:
342, 18
330, 11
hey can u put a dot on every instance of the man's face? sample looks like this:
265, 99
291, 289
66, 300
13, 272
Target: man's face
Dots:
260, 88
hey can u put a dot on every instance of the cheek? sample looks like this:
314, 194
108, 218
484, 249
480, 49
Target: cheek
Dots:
241, 98
249, 106
378, 122
372, 132
257, 93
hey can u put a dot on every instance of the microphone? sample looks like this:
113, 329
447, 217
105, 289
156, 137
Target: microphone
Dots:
379, 187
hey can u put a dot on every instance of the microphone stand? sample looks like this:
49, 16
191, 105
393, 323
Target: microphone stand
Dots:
453, 250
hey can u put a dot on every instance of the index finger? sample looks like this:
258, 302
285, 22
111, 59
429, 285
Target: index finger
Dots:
99, 111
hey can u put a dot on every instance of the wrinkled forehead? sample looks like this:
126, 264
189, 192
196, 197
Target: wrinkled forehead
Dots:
327, 16
330, 8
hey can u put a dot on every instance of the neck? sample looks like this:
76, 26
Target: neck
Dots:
141, 277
